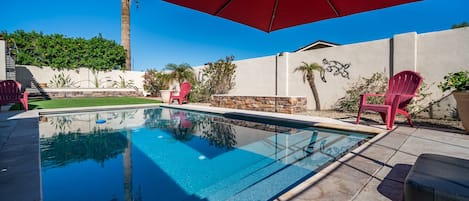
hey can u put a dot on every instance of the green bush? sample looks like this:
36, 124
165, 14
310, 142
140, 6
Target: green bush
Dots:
62, 81
199, 93
123, 83
377, 84
218, 78
60, 52
417, 104
154, 81
458, 81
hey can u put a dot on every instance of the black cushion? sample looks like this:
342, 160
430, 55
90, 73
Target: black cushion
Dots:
438, 177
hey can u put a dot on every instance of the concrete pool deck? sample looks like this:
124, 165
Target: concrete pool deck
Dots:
374, 171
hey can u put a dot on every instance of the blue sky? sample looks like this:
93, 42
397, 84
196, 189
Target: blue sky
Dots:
163, 33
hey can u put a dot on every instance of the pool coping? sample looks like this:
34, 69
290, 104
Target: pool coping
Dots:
313, 121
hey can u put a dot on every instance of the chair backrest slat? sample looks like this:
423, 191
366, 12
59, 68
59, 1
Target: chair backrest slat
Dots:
403, 83
10, 90
185, 88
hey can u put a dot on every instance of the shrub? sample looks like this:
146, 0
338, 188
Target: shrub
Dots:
62, 81
218, 78
416, 105
377, 84
123, 83
199, 93
60, 52
458, 81
154, 81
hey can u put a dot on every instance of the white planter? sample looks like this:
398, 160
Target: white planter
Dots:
165, 115
462, 102
165, 95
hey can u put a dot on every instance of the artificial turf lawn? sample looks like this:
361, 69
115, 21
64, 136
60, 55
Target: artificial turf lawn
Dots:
83, 102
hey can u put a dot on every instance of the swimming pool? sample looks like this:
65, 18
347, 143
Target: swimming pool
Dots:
168, 154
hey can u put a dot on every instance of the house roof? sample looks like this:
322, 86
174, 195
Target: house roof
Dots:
317, 45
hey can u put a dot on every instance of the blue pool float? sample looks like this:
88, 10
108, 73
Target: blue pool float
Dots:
100, 121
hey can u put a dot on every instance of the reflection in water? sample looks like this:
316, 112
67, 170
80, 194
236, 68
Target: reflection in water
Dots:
75, 138
99, 146
61, 123
86, 122
150, 162
218, 134
183, 126
128, 194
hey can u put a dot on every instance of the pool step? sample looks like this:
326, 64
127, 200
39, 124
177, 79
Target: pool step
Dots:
275, 162
271, 177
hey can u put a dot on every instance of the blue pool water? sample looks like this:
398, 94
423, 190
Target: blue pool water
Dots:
167, 154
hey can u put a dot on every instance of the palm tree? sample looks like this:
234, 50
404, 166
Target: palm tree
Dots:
308, 74
127, 160
125, 31
180, 73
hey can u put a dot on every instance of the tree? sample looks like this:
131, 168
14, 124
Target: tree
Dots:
125, 31
308, 75
220, 76
463, 24
180, 73
154, 81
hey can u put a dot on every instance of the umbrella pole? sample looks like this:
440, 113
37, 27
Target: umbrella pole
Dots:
276, 83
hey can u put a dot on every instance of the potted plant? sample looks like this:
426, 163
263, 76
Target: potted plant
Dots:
157, 83
459, 83
165, 83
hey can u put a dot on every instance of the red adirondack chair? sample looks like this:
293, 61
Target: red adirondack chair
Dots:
184, 90
182, 116
402, 88
10, 92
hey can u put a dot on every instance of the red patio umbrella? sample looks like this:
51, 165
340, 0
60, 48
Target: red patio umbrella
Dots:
271, 15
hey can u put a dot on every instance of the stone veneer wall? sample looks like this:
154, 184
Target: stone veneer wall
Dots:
285, 104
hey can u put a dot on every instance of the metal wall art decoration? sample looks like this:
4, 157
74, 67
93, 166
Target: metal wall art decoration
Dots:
337, 67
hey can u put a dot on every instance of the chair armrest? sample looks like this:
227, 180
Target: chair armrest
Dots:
25, 95
363, 97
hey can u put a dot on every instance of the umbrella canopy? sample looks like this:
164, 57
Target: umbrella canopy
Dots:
271, 15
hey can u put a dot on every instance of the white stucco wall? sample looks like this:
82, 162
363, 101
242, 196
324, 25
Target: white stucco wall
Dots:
255, 76
84, 78
364, 59
3, 63
404, 52
438, 54
432, 54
